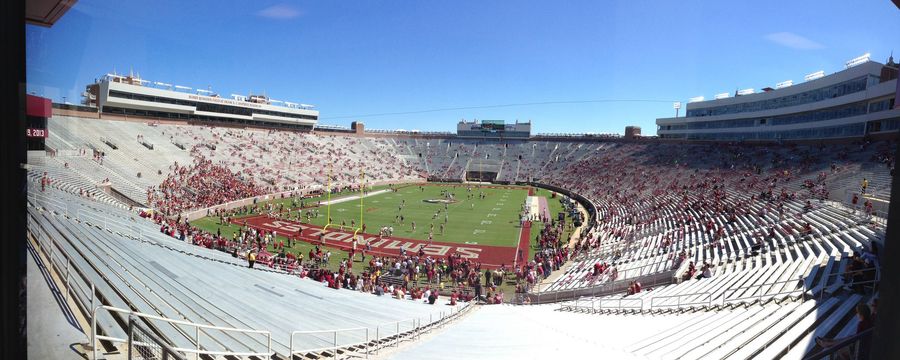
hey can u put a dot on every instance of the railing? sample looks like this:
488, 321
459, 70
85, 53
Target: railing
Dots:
698, 299
85, 214
334, 348
880, 207
392, 330
852, 347
198, 332
663, 278
86, 300
632, 273
49, 203
77, 285
144, 344
106, 223
620, 304
874, 282
731, 298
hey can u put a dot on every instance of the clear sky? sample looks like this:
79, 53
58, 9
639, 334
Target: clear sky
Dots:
358, 60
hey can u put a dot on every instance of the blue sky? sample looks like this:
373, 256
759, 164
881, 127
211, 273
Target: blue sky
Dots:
355, 59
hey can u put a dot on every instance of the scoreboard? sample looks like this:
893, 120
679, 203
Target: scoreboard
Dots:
493, 125
493, 129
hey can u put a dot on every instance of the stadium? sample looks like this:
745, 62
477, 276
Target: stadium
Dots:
173, 222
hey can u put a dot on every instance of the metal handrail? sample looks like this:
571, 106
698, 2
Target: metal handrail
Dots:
620, 276
43, 200
94, 337
334, 348
168, 351
619, 301
864, 270
42, 239
726, 299
88, 216
678, 298
869, 269
417, 328
572, 294
82, 214
851, 340
48, 248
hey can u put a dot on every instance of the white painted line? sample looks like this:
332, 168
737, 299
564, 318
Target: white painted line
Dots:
354, 197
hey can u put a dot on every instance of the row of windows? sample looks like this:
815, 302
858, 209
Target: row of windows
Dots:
853, 130
212, 119
488, 134
841, 89
838, 112
882, 105
202, 106
854, 109
884, 125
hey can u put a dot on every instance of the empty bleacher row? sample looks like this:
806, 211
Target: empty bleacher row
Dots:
752, 331
71, 182
145, 275
740, 332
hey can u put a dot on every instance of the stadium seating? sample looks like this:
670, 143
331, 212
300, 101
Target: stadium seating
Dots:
742, 332
159, 275
765, 219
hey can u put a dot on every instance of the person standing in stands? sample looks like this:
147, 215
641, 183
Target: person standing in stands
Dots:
44, 181
865, 185
251, 258
866, 321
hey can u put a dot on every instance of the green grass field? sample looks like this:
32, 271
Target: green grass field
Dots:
500, 229
493, 220
381, 209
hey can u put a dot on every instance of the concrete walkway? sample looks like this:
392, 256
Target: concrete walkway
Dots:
52, 329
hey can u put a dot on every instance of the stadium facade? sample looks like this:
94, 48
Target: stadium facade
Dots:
133, 96
493, 130
856, 102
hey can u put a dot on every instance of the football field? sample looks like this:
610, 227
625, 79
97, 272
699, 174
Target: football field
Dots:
480, 222
473, 214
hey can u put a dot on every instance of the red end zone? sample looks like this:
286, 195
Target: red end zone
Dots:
488, 256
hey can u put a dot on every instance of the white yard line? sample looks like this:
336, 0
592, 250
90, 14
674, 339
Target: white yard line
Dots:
354, 197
